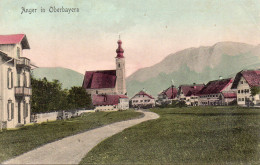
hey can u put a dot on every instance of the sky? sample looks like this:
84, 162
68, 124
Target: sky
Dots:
150, 30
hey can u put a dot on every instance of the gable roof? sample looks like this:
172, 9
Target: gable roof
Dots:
252, 77
99, 79
15, 39
144, 94
189, 90
215, 86
170, 92
98, 100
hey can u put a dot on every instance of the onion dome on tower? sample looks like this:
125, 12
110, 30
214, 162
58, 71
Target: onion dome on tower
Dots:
120, 50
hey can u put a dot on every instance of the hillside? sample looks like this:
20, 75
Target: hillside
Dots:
195, 65
67, 77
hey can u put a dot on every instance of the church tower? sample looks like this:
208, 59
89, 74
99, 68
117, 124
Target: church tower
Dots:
120, 69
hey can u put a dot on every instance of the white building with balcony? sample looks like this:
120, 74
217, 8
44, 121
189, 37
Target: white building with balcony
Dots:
15, 84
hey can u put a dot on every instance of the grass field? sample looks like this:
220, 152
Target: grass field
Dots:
197, 135
16, 142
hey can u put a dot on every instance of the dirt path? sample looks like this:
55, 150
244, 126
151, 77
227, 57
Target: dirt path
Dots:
72, 149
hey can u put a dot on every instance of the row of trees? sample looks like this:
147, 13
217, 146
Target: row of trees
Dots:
48, 96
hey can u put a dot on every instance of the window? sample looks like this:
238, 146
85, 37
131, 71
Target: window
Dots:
26, 110
241, 82
96, 92
10, 110
243, 99
18, 53
238, 91
9, 79
24, 80
118, 65
242, 91
18, 79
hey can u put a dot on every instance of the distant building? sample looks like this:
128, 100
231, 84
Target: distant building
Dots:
189, 94
15, 84
243, 83
110, 102
217, 92
108, 81
142, 100
167, 96
105, 83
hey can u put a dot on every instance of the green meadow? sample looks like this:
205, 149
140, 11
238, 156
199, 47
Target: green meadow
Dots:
16, 142
191, 135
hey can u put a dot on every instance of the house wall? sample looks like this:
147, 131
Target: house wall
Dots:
8, 94
210, 99
123, 104
106, 108
141, 101
108, 91
244, 92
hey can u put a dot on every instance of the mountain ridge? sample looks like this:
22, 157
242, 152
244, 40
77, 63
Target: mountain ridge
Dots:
217, 58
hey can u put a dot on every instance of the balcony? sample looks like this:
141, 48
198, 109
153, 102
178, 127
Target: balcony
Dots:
23, 91
23, 62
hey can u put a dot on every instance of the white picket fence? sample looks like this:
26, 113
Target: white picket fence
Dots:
52, 116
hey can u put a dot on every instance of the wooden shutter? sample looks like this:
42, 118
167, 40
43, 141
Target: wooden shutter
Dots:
12, 111
12, 80
8, 78
8, 114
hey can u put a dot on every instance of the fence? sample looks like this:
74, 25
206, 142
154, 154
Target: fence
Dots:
52, 116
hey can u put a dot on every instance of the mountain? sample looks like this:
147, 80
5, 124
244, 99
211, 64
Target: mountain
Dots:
67, 77
195, 65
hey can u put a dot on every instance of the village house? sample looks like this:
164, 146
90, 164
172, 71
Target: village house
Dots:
107, 82
243, 83
15, 84
217, 92
110, 102
189, 94
142, 100
167, 96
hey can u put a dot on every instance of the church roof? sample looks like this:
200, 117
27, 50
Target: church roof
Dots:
15, 39
99, 79
98, 100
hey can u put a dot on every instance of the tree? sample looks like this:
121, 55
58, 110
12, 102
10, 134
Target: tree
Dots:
255, 90
78, 98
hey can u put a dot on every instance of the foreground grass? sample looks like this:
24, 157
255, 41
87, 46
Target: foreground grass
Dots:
16, 142
197, 135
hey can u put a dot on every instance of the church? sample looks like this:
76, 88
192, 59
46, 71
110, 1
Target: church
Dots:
108, 84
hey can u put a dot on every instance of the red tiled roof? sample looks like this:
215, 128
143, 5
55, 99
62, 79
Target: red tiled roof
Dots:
251, 76
189, 90
171, 92
99, 79
143, 93
215, 86
15, 39
230, 95
98, 100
